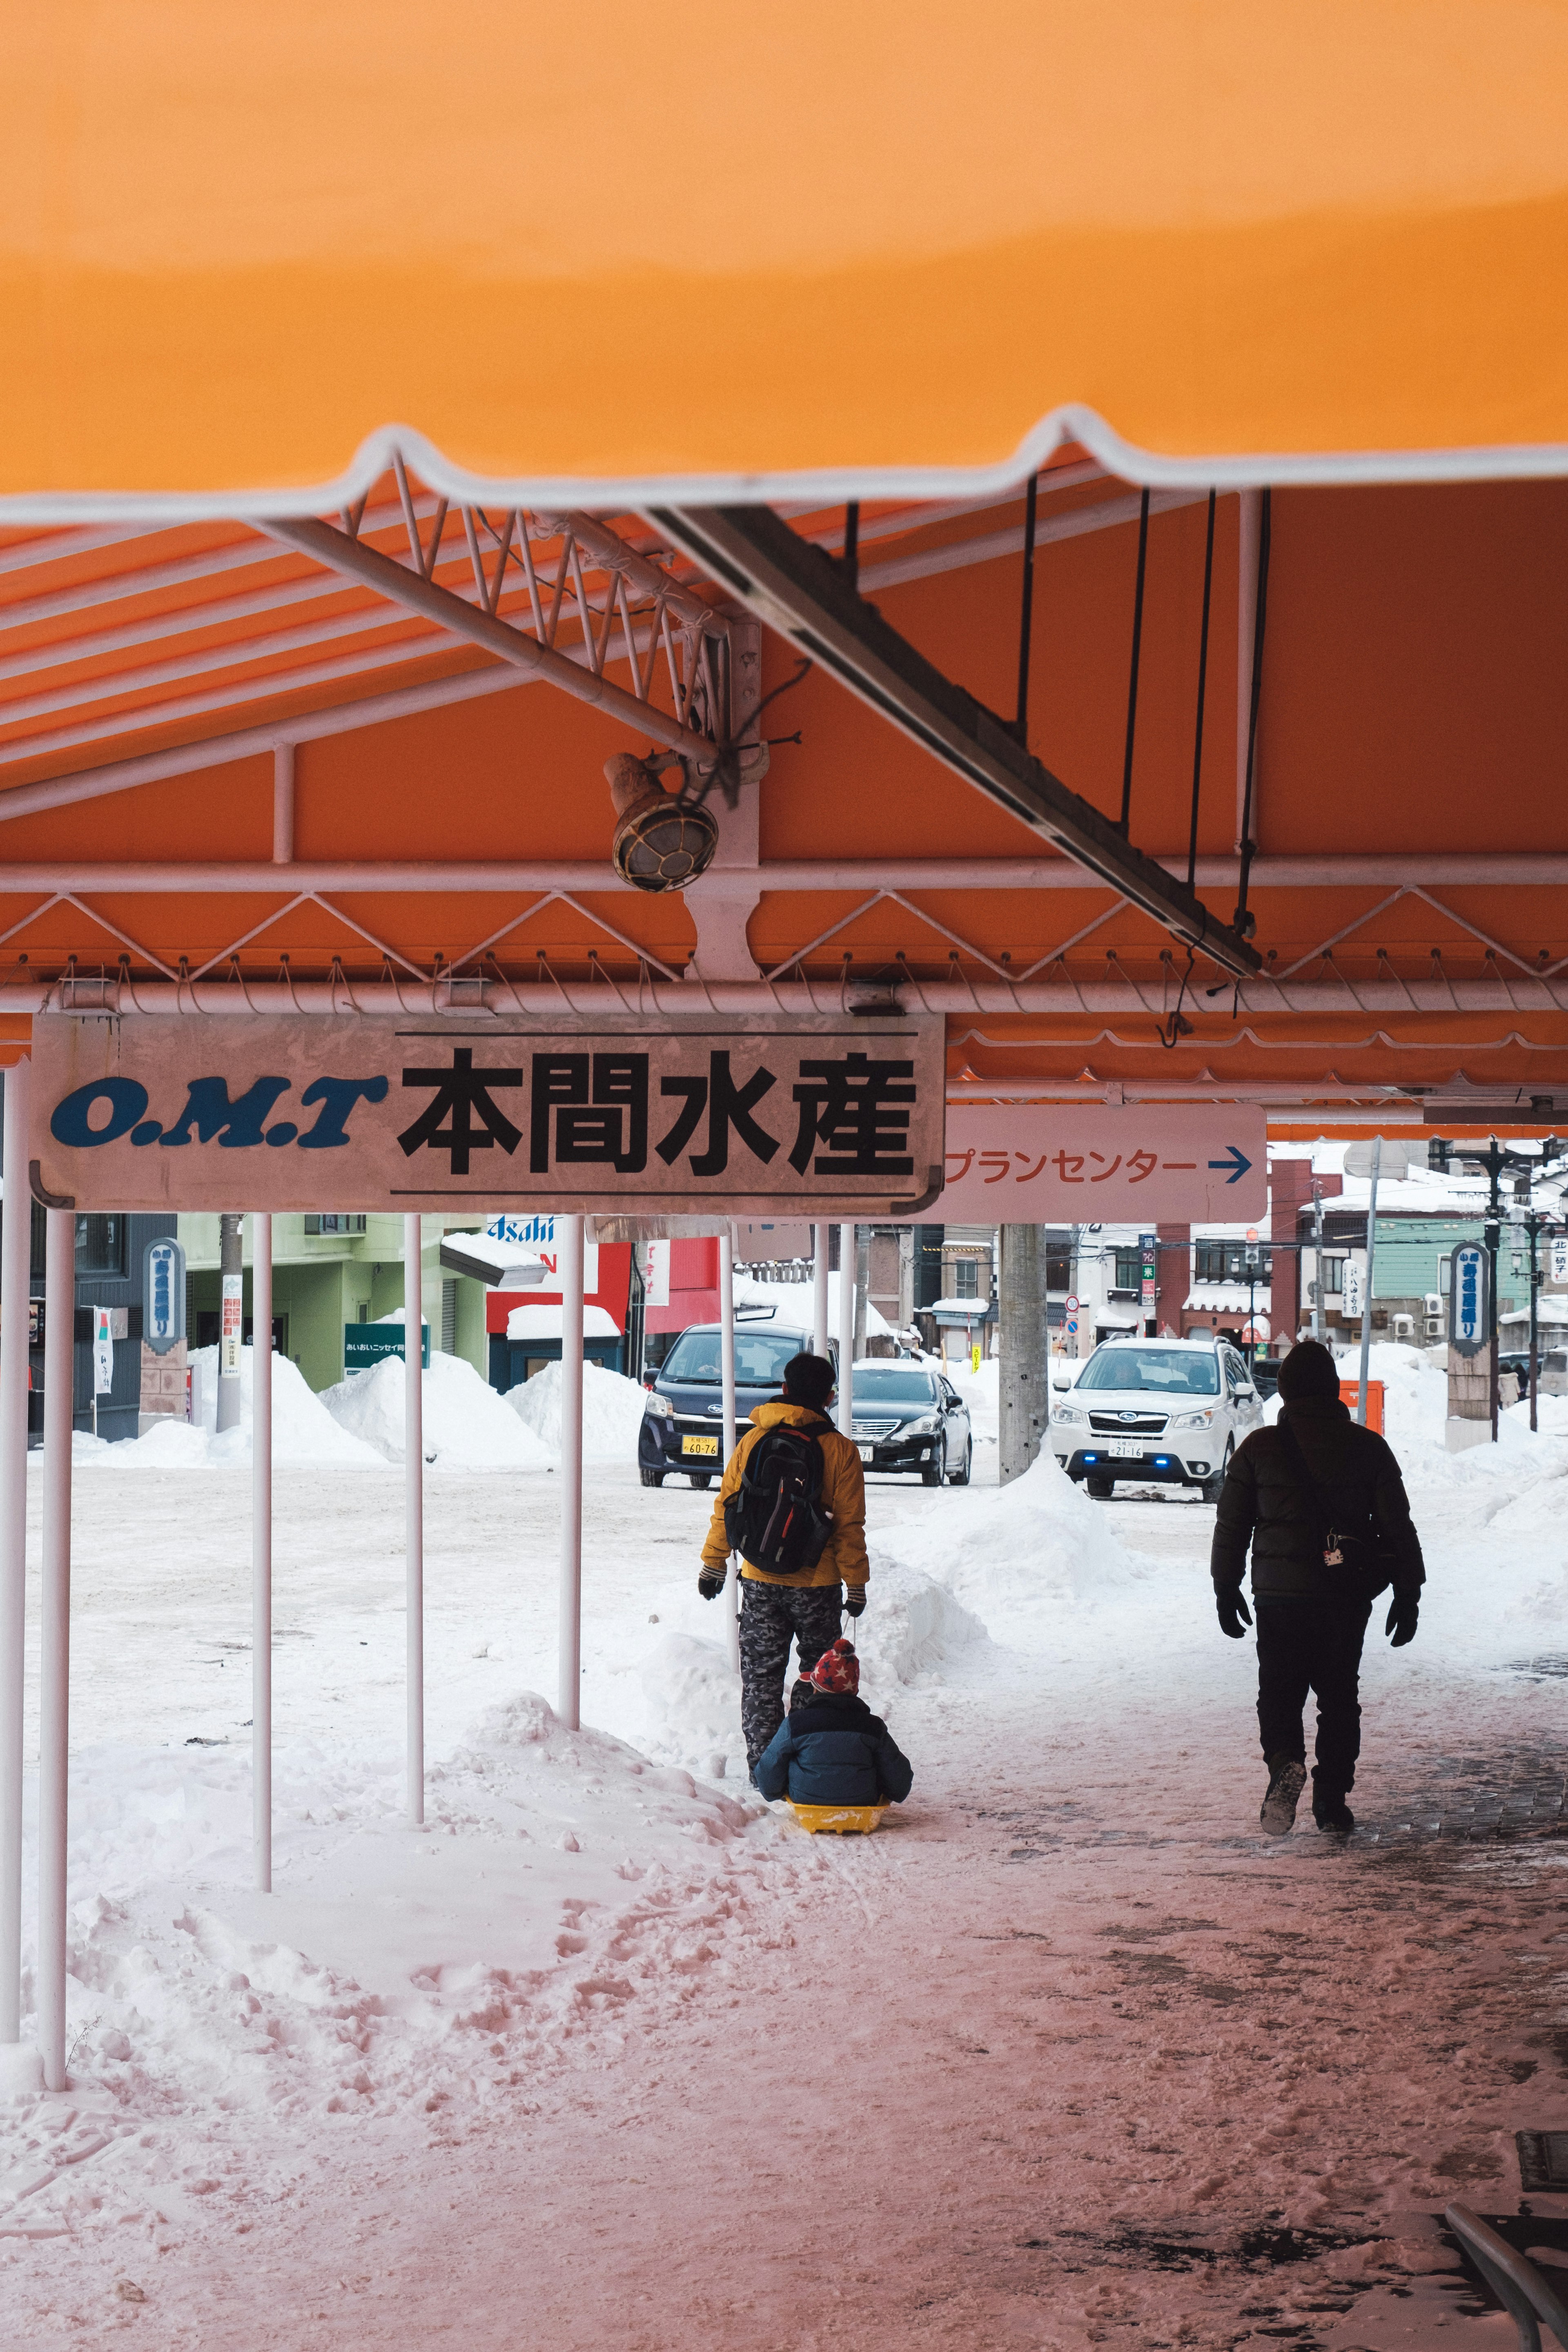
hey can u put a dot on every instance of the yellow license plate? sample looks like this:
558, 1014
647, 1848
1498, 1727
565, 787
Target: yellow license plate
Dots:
700, 1446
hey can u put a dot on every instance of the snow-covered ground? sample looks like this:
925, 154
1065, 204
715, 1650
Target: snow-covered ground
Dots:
612, 2056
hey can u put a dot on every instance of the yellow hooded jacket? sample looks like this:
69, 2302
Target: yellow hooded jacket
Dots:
843, 1498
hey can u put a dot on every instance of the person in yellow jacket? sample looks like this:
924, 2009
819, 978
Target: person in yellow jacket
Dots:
807, 1606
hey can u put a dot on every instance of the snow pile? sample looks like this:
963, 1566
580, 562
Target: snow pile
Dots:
912, 1628
303, 1430
611, 1411
564, 1883
1014, 1557
792, 1302
465, 1421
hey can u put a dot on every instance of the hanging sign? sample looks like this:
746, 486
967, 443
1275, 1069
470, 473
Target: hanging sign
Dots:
1101, 1163
1560, 1259
653, 1265
757, 1114
1469, 1323
103, 1352
1355, 1283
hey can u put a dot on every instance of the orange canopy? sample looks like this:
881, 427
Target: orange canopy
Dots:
892, 246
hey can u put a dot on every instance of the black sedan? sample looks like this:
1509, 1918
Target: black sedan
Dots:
911, 1420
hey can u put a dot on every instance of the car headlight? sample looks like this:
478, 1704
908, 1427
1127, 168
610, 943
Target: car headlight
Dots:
1194, 1420
660, 1407
1065, 1412
926, 1426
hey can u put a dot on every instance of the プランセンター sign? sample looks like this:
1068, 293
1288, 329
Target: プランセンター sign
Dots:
737, 1114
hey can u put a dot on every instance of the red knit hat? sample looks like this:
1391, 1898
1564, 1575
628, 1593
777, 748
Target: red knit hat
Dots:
838, 1669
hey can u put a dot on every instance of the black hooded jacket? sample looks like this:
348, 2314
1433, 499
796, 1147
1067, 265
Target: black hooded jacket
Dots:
1261, 1503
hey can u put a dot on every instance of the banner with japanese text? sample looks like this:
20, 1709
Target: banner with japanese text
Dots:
1104, 1163
748, 1115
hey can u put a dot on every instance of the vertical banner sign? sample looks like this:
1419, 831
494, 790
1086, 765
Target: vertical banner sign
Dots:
1149, 1261
162, 1296
103, 1352
1560, 1260
1469, 1322
232, 1327
829, 1115
1354, 1282
653, 1265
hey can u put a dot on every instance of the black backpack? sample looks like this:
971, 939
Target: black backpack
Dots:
774, 1519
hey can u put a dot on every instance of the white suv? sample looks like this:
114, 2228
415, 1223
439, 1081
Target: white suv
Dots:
1163, 1412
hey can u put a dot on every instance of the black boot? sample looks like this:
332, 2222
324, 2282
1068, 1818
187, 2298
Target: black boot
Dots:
1330, 1809
1287, 1779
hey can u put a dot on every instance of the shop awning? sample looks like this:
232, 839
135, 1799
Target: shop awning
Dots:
819, 249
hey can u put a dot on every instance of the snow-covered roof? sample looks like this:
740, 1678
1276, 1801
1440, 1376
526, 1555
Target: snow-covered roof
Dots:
490, 1261
1549, 1308
1223, 1297
544, 1323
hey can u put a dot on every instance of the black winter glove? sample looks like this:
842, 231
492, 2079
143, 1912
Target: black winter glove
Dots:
854, 1599
710, 1584
1234, 1613
1403, 1611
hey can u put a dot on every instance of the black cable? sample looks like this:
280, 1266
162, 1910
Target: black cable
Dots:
1203, 688
1245, 924
1026, 617
1132, 680
852, 544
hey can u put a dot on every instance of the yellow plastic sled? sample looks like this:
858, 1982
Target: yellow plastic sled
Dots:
837, 1820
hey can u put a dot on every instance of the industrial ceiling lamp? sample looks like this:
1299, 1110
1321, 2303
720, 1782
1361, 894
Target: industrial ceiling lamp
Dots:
662, 840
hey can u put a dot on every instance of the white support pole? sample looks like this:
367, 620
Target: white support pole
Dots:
847, 1330
1366, 1299
414, 1508
54, 1678
261, 1547
727, 1375
15, 1261
819, 1289
569, 1695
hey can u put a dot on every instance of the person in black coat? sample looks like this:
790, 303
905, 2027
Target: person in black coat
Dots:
1315, 1486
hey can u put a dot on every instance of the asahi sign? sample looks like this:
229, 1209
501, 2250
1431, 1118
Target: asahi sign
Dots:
756, 1115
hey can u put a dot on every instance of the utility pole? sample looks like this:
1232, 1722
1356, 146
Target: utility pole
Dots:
1025, 1370
1318, 1260
231, 1318
1534, 1225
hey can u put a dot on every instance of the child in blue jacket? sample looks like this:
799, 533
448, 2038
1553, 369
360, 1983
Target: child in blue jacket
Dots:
830, 1749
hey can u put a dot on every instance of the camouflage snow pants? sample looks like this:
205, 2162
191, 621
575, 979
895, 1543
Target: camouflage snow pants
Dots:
771, 1615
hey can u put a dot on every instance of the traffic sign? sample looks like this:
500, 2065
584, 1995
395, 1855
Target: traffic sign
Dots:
1072, 1306
1072, 1323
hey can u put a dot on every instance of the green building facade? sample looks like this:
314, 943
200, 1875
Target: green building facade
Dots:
330, 1270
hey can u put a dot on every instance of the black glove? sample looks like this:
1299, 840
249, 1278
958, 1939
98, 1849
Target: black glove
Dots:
1234, 1613
710, 1584
854, 1599
1403, 1611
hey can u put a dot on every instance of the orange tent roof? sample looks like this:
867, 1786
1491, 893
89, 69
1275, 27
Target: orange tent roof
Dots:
807, 250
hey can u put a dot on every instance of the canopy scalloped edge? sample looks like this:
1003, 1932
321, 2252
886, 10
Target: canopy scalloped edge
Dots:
829, 485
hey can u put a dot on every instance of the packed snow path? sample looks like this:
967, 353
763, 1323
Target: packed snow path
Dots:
1066, 2055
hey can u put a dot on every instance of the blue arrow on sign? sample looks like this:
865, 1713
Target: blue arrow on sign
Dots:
1237, 1162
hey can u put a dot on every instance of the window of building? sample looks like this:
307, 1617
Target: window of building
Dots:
1059, 1265
1334, 1276
100, 1245
966, 1278
334, 1222
1227, 1262
1129, 1269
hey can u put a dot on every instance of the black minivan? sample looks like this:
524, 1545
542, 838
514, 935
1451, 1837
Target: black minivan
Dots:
683, 1422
